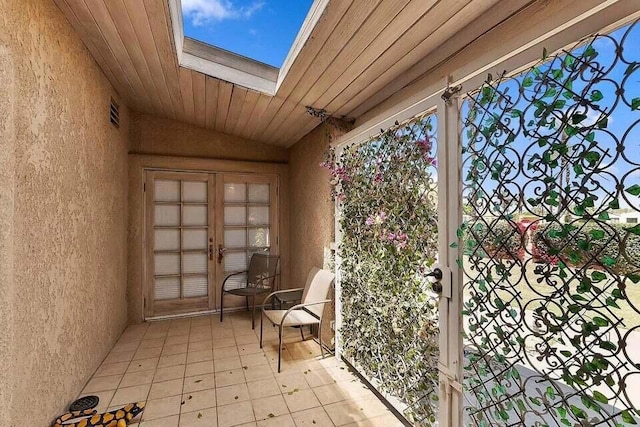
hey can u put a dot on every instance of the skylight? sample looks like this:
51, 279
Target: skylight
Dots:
263, 30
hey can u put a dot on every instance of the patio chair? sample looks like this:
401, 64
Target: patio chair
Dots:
263, 269
308, 312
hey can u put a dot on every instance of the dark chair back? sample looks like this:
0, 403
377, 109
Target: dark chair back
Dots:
263, 269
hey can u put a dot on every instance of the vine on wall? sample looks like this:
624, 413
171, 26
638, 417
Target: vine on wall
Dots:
386, 191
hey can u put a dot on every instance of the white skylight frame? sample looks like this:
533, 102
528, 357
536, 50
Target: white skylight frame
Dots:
235, 68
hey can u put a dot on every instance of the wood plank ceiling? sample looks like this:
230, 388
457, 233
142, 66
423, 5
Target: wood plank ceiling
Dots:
357, 48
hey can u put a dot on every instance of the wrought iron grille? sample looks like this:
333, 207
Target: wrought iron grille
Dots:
551, 243
387, 199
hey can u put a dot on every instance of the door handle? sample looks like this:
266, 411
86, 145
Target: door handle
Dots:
210, 249
220, 254
436, 284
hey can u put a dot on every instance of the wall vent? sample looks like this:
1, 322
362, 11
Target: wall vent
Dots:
114, 113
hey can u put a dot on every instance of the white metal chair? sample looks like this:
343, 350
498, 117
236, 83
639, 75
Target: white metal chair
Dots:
308, 312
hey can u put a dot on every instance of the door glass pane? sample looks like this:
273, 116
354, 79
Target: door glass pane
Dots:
196, 286
258, 193
235, 215
194, 191
194, 263
167, 264
234, 193
167, 191
167, 215
194, 215
258, 215
235, 238
194, 239
167, 288
258, 237
167, 240
235, 261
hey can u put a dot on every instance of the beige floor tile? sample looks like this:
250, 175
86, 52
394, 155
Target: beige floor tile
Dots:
232, 394
156, 343
331, 393
235, 414
169, 373
227, 364
224, 352
119, 356
201, 329
224, 342
319, 377
346, 412
147, 353
255, 359
249, 349
128, 395
172, 360
281, 421
178, 338
299, 400
256, 373
196, 400
269, 407
143, 364
199, 368
107, 369
137, 378
204, 417
199, 382
263, 388
199, 346
199, 356
155, 335
102, 384
125, 347
161, 422
104, 399
382, 421
289, 382
169, 350
218, 334
226, 378
246, 339
202, 336
166, 389
159, 408
315, 417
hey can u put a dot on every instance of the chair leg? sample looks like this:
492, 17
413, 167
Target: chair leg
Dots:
320, 339
247, 301
253, 314
302, 332
261, 321
279, 348
221, 304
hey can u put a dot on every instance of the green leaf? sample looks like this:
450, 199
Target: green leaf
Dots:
635, 104
634, 189
604, 216
635, 229
577, 118
627, 418
527, 82
596, 95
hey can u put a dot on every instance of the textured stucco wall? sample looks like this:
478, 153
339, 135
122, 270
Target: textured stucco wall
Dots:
63, 182
312, 209
153, 135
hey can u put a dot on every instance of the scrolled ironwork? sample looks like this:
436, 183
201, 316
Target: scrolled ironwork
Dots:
552, 281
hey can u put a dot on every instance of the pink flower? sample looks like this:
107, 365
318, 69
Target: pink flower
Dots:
376, 219
378, 178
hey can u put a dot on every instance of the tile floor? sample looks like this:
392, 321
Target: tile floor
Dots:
201, 372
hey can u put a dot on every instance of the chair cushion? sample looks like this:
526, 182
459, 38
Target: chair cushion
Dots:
295, 318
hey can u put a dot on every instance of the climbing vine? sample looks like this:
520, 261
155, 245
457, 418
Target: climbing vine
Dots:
386, 191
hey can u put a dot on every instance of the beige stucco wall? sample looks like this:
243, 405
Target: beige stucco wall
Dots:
312, 208
153, 135
63, 182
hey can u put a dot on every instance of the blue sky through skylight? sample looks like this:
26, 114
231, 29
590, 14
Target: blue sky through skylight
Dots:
263, 30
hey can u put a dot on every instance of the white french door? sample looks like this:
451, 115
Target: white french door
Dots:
199, 228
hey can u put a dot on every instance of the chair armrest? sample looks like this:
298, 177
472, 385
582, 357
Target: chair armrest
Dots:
231, 275
299, 306
279, 292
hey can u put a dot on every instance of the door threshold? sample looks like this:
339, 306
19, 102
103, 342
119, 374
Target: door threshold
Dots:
193, 314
